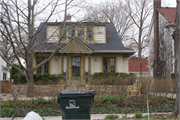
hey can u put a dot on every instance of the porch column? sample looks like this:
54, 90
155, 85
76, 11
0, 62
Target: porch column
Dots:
89, 65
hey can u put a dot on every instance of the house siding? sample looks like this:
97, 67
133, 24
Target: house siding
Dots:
86, 64
3, 63
166, 52
65, 63
100, 34
125, 64
95, 65
50, 31
56, 69
120, 63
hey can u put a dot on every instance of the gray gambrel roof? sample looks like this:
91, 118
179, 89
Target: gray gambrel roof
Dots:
113, 42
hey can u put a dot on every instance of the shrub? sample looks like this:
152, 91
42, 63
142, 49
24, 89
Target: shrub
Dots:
112, 78
172, 76
145, 84
19, 78
110, 117
163, 85
138, 115
45, 78
109, 100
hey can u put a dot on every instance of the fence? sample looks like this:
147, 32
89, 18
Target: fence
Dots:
6, 86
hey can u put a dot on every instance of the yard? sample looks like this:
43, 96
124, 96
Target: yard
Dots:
111, 97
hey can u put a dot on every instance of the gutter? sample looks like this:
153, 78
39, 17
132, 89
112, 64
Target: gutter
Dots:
114, 51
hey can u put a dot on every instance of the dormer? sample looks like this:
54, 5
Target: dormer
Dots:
88, 32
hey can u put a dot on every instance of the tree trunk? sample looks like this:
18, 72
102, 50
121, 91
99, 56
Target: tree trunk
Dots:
30, 82
30, 85
140, 50
176, 38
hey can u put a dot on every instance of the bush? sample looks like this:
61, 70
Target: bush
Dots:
138, 115
111, 117
19, 78
172, 76
108, 99
164, 85
112, 78
45, 78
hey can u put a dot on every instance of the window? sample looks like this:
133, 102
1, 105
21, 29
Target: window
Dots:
76, 66
89, 33
44, 68
112, 65
71, 33
4, 76
61, 32
105, 65
39, 69
109, 65
81, 33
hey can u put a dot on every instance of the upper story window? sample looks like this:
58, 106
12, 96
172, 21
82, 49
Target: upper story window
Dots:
81, 33
72, 33
89, 33
61, 32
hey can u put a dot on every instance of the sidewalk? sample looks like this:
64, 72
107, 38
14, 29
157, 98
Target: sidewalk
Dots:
93, 117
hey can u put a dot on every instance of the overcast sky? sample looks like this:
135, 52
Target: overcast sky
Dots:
165, 3
78, 16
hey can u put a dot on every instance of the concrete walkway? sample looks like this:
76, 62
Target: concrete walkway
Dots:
93, 117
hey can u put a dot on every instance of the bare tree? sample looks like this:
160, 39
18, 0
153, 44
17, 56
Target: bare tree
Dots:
110, 12
18, 30
139, 12
176, 38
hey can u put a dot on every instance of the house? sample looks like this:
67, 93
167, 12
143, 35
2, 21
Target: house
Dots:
161, 43
86, 48
134, 66
4, 70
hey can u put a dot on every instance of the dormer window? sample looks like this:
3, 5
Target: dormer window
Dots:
61, 32
89, 33
71, 33
81, 33
85, 32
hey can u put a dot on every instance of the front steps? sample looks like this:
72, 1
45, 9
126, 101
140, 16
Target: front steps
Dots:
75, 85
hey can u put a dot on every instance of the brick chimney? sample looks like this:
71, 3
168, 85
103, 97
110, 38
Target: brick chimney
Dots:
156, 69
68, 18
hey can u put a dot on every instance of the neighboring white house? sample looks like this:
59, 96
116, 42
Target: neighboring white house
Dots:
4, 70
166, 49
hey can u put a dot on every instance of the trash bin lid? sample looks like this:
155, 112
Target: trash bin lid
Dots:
76, 92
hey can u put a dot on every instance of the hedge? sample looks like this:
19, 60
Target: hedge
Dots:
45, 78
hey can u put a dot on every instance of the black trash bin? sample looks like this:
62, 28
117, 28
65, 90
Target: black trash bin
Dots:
76, 104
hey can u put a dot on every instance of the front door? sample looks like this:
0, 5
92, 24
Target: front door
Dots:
109, 65
76, 62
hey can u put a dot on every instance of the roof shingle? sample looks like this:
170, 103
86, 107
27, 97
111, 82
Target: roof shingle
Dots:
113, 42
